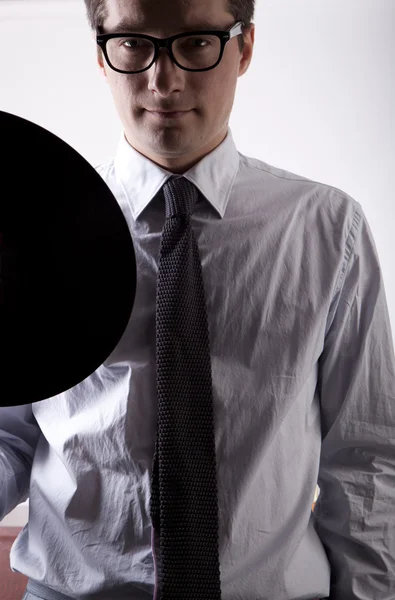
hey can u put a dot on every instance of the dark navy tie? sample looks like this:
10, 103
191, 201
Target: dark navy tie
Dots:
184, 498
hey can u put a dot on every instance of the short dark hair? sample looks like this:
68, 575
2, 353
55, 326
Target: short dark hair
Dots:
242, 10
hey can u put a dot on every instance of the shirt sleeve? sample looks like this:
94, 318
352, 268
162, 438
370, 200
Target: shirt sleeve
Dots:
19, 434
355, 512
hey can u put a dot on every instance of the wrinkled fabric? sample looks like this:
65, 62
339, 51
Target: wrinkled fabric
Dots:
304, 391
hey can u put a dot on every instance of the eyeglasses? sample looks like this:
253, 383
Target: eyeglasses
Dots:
133, 53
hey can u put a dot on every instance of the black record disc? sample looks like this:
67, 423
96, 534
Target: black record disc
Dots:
67, 265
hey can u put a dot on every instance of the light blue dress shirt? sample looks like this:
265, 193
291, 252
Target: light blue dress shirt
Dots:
304, 391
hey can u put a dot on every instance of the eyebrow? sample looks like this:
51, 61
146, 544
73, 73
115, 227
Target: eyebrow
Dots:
126, 26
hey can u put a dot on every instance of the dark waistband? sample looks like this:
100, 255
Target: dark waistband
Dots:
46, 593
129, 591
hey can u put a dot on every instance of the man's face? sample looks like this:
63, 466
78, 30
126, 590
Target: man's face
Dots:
175, 144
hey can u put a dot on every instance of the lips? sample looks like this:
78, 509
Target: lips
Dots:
167, 115
167, 111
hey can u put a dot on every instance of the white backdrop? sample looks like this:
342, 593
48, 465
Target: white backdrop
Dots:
318, 99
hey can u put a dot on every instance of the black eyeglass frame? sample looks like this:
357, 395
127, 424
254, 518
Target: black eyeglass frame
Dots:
224, 36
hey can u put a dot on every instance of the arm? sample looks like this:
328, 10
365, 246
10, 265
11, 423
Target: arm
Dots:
19, 433
355, 512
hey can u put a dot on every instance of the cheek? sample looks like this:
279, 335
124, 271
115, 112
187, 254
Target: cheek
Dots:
224, 77
220, 91
122, 90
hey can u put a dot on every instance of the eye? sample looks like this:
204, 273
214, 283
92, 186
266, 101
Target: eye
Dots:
206, 42
131, 43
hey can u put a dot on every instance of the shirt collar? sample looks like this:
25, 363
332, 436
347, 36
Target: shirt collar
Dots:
142, 179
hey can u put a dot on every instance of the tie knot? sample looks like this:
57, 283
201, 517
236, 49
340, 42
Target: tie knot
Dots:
180, 197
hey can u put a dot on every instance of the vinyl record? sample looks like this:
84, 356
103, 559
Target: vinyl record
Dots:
67, 265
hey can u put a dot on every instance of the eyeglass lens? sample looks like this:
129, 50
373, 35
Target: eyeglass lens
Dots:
191, 52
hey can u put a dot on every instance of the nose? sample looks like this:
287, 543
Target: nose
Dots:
165, 76
164, 56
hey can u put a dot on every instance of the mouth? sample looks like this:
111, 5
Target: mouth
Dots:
169, 115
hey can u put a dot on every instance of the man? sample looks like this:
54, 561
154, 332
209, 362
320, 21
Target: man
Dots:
300, 345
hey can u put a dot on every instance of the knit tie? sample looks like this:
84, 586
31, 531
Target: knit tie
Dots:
184, 497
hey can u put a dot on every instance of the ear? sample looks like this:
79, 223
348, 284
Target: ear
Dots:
100, 58
246, 56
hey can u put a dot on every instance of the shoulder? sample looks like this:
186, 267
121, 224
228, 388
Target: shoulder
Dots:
298, 190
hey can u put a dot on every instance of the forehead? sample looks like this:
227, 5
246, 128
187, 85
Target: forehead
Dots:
165, 15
